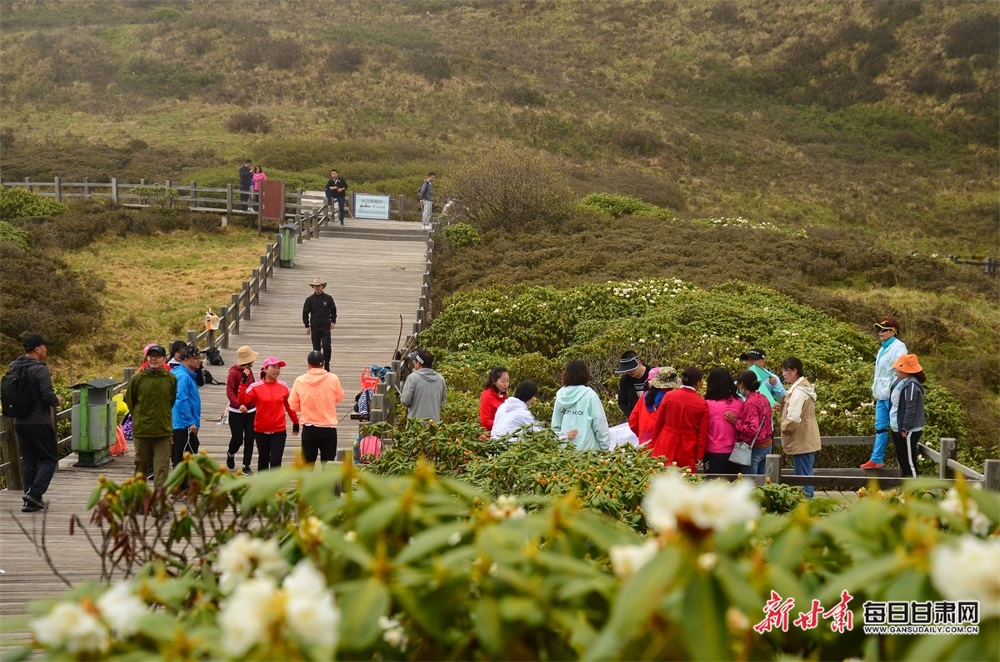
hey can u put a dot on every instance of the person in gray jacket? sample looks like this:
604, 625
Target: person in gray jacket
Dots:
424, 391
35, 433
906, 414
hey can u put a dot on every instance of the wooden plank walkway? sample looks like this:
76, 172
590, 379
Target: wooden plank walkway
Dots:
372, 282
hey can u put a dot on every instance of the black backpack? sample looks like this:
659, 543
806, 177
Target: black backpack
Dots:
17, 394
214, 356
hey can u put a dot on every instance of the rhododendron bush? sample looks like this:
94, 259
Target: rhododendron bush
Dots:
428, 567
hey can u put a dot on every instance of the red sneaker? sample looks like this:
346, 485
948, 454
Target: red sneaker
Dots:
869, 465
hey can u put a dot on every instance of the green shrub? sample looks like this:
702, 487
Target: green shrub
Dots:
617, 206
165, 14
16, 236
17, 202
248, 123
462, 234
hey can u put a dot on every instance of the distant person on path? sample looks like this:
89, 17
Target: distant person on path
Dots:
514, 413
770, 383
241, 416
493, 395
246, 183
35, 434
150, 398
270, 396
579, 412
633, 381
724, 405
799, 428
258, 180
336, 190
889, 351
906, 415
426, 198
424, 391
754, 424
683, 422
643, 419
314, 397
186, 412
319, 315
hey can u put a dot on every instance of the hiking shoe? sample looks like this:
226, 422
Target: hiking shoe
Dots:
247, 471
230, 461
32, 504
870, 465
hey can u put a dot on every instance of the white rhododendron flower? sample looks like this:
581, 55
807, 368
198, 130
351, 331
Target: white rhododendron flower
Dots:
309, 609
121, 609
392, 633
506, 507
244, 557
72, 627
969, 571
627, 559
248, 614
979, 523
672, 501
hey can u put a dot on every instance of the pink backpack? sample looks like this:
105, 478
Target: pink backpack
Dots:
369, 446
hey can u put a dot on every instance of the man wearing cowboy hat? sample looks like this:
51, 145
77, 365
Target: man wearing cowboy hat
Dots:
889, 351
319, 315
632, 383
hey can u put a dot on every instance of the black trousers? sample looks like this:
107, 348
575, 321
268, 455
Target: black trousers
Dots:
40, 456
319, 441
906, 452
241, 434
321, 340
244, 198
718, 463
184, 441
270, 448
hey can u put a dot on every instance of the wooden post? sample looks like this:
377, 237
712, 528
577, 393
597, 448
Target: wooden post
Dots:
416, 328
58, 188
399, 209
224, 319
170, 201
86, 187
210, 337
27, 184
192, 202
948, 452
772, 468
256, 288
114, 190
263, 272
235, 309
229, 198
992, 474
246, 296
192, 338
12, 451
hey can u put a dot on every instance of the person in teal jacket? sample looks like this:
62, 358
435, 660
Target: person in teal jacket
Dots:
578, 411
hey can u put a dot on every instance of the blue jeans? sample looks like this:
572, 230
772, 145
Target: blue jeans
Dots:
804, 467
881, 423
758, 458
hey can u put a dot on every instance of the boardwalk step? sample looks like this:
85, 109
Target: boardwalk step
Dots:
357, 230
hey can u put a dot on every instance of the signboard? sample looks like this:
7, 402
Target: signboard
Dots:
371, 206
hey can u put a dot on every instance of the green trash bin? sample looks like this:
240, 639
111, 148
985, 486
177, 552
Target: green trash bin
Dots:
286, 249
95, 422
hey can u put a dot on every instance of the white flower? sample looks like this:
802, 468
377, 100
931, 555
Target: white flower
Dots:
309, 608
121, 609
351, 536
627, 559
244, 557
392, 633
672, 500
980, 525
968, 571
72, 627
708, 561
967, 509
247, 615
506, 507
455, 538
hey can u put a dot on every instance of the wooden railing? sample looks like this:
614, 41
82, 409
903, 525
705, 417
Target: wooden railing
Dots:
989, 265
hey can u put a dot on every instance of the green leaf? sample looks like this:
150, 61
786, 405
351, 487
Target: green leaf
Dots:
352, 550
635, 602
704, 621
95, 496
736, 586
376, 518
362, 606
157, 625
489, 629
519, 608
429, 540
600, 534
429, 620
320, 486
988, 503
862, 577
265, 484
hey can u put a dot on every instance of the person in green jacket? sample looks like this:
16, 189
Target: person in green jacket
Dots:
150, 399
770, 385
578, 412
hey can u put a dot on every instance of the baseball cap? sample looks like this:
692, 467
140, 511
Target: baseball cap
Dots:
34, 340
269, 361
191, 351
755, 354
155, 349
886, 324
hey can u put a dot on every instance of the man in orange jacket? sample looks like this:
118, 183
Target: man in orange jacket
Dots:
314, 397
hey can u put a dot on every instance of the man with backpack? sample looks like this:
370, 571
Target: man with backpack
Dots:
28, 397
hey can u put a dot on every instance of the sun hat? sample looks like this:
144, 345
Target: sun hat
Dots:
245, 355
908, 363
34, 340
317, 281
666, 378
155, 349
627, 365
886, 324
755, 354
269, 361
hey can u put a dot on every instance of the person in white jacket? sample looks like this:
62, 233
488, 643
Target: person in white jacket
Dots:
889, 352
513, 413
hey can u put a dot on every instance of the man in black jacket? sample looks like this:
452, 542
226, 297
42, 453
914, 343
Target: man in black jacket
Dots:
246, 183
336, 189
632, 383
319, 315
35, 433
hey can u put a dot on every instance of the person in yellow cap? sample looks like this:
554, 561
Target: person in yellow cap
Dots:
906, 413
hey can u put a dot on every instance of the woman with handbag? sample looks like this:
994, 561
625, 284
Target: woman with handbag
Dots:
722, 399
754, 425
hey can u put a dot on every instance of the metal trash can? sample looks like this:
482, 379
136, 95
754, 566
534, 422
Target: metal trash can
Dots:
95, 422
286, 248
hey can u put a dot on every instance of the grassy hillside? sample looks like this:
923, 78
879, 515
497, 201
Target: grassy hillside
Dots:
880, 117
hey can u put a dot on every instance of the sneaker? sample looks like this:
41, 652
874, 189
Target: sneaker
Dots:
341, 222
230, 461
870, 465
32, 504
247, 471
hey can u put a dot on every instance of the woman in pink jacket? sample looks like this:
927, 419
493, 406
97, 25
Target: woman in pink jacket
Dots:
258, 178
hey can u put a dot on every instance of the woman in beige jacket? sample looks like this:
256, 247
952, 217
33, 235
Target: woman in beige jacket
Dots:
799, 429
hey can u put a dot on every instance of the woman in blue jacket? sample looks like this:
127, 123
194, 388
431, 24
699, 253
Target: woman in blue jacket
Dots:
578, 412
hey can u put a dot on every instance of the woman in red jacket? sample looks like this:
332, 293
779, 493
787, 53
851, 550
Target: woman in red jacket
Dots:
683, 423
643, 419
270, 396
493, 395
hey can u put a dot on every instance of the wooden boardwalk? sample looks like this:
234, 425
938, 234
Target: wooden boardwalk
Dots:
372, 282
